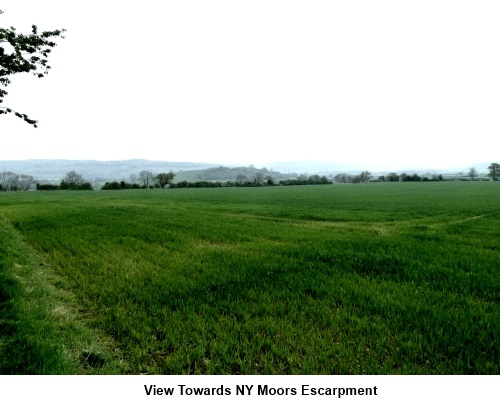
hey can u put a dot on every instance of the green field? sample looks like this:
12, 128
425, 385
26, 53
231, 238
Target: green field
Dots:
351, 279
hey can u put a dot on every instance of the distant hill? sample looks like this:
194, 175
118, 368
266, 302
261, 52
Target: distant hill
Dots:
97, 171
94, 170
223, 173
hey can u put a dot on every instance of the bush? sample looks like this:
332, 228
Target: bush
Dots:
122, 185
47, 187
75, 186
85, 186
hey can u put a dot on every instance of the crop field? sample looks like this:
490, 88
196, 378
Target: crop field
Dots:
374, 278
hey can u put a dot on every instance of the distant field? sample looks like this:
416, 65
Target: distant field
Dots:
351, 279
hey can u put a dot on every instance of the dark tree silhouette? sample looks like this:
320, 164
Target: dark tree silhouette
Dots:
494, 169
146, 177
164, 178
472, 173
21, 53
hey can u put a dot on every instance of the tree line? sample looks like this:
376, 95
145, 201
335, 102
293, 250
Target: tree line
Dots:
363, 177
145, 179
148, 180
72, 181
409, 177
10, 181
472, 173
257, 181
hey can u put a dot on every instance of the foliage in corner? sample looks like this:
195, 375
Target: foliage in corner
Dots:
21, 53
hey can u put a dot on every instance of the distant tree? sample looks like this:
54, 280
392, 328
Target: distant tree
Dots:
25, 182
72, 178
259, 178
270, 181
84, 186
241, 178
392, 177
164, 178
494, 169
381, 178
74, 181
8, 181
342, 178
472, 173
356, 179
365, 176
314, 179
114, 185
145, 177
409, 177
21, 53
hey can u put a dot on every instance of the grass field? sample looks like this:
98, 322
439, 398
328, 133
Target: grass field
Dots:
351, 279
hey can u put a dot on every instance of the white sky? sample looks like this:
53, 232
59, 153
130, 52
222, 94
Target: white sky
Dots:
384, 82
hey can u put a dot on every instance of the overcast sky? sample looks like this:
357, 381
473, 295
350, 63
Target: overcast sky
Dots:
376, 82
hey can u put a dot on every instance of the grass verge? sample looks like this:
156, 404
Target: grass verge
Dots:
41, 330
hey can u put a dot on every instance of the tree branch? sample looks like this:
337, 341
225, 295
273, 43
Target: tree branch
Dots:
8, 110
29, 53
